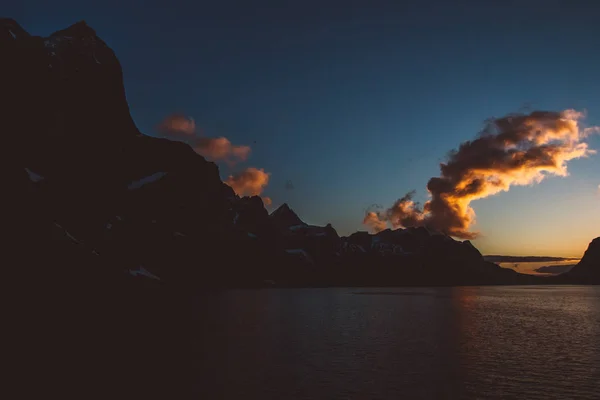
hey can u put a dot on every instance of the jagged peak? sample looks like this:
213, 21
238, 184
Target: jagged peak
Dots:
283, 210
286, 216
13, 30
79, 28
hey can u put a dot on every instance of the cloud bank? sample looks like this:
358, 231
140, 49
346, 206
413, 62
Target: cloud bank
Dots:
518, 149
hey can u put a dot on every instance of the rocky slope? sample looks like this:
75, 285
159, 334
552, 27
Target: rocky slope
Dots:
588, 269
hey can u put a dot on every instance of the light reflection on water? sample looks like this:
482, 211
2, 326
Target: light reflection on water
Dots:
530, 267
418, 343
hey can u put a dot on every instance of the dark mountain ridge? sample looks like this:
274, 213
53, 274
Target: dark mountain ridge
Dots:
588, 269
111, 233
152, 203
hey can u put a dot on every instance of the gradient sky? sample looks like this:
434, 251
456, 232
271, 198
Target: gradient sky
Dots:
358, 104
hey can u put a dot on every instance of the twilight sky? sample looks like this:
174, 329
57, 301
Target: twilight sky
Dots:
357, 105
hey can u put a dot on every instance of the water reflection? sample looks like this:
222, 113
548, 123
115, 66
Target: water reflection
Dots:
537, 342
451, 343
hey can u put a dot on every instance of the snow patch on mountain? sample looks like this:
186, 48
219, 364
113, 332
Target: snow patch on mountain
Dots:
67, 234
146, 180
34, 176
143, 272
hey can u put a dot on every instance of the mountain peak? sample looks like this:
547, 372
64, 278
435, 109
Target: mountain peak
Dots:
284, 216
282, 208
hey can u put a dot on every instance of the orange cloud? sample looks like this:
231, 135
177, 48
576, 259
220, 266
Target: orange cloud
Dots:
177, 124
267, 201
519, 149
221, 149
250, 182
374, 222
182, 128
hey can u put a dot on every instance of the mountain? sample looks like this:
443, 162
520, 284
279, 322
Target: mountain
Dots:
417, 256
137, 200
588, 269
110, 234
85, 241
152, 209
284, 217
144, 209
312, 245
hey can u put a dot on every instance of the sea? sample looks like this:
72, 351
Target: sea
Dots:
519, 342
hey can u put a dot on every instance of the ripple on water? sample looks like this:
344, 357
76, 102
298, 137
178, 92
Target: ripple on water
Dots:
417, 343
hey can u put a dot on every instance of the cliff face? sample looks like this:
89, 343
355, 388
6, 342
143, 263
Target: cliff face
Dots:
99, 221
588, 269
78, 161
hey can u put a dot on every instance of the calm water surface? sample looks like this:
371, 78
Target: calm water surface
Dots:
418, 343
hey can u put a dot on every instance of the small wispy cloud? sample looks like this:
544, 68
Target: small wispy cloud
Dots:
183, 128
249, 182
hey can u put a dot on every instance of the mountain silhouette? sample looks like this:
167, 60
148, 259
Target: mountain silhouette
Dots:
110, 232
285, 217
588, 269
83, 173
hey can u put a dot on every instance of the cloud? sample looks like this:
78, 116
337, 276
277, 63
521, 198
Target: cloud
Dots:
250, 182
221, 149
177, 125
518, 149
182, 128
374, 222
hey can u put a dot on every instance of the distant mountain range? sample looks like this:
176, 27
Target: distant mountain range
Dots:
92, 196
554, 269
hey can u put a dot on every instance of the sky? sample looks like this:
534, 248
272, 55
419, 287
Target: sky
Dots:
349, 104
